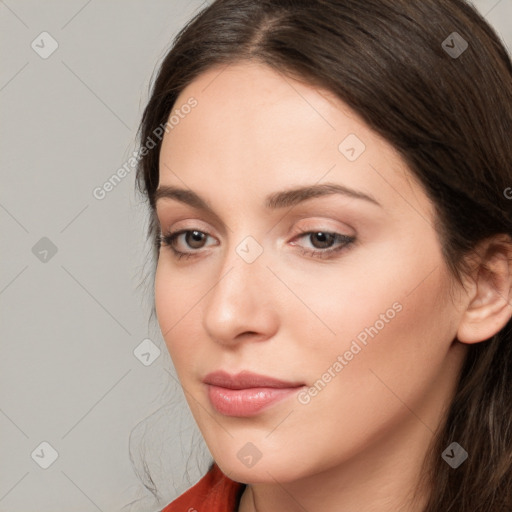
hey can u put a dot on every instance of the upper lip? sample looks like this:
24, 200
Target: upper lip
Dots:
246, 379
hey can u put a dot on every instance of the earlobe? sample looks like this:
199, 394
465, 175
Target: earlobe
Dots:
490, 305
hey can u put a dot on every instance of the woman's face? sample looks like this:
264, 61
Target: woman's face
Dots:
340, 290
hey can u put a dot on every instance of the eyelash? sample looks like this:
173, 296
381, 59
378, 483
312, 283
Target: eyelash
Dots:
169, 239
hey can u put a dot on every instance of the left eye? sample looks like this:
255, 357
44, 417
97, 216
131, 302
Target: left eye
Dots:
323, 242
323, 239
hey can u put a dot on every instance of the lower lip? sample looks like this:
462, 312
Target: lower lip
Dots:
246, 402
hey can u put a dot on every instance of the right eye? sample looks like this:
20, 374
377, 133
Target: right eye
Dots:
192, 238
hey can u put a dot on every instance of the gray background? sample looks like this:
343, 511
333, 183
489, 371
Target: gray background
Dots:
70, 321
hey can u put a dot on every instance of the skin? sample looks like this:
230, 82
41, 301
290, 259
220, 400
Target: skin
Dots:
359, 443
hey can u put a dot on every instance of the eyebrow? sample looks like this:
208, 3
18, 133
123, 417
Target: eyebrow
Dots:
273, 201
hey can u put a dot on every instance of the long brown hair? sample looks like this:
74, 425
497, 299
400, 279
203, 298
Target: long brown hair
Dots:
444, 101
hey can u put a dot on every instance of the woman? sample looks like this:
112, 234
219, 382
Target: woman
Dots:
330, 206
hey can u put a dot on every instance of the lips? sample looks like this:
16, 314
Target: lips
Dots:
246, 393
245, 380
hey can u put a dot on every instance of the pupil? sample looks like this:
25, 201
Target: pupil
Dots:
325, 238
197, 238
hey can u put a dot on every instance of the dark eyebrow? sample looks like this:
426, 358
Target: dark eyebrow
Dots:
274, 201
297, 195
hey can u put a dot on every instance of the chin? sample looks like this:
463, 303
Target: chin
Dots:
267, 470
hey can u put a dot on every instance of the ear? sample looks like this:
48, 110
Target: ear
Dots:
489, 305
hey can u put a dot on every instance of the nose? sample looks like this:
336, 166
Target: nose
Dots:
240, 304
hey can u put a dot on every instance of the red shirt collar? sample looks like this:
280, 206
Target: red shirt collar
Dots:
215, 492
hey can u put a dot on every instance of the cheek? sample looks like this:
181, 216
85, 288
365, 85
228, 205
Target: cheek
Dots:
390, 380
171, 299
165, 298
391, 341
392, 320
178, 309
364, 296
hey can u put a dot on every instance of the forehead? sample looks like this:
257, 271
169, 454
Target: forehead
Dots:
255, 125
251, 92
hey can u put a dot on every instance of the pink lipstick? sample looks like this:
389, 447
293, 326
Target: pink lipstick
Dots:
246, 393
